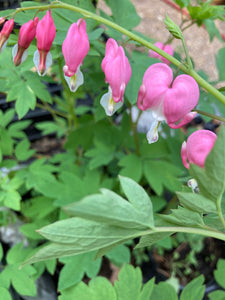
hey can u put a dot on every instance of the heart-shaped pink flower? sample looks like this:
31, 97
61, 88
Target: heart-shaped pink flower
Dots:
170, 101
198, 146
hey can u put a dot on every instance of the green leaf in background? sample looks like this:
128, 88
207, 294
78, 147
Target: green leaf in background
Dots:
139, 63
217, 295
211, 179
182, 3
129, 284
6, 118
5, 294
162, 174
78, 265
24, 96
15, 130
132, 166
194, 289
124, 13
1, 252
220, 62
197, 203
23, 151
219, 273
119, 255
164, 291
212, 30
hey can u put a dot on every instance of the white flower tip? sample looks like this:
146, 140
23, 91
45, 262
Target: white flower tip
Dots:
192, 183
152, 134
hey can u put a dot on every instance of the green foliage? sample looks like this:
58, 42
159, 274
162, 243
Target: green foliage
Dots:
128, 286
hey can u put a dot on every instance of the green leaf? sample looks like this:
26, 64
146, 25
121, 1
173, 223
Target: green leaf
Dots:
173, 28
12, 200
119, 255
15, 129
197, 203
152, 238
24, 96
160, 174
220, 62
217, 295
110, 209
23, 151
164, 291
75, 236
147, 290
219, 273
211, 180
129, 283
194, 289
124, 13
5, 294
132, 167
79, 291
7, 117
212, 30
183, 217
75, 268
138, 197
1, 252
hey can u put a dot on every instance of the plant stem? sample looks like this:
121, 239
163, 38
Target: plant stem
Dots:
209, 233
210, 115
87, 14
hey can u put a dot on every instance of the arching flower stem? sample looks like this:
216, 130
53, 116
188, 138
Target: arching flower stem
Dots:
57, 4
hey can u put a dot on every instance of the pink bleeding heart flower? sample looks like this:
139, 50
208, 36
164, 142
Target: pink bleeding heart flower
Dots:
75, 47
26, 35
169, 100
117, 74
167, 48
198, 146
45, 35
5, 33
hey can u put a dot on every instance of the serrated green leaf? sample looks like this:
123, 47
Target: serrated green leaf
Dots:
132, 167
24, 96
23, 151
164, 291
162, 174
129, 283
78, 265
7, 117
194, 289
15, 129
147, 290
217, 295
197, 203
12, 200
219, 273
79, 291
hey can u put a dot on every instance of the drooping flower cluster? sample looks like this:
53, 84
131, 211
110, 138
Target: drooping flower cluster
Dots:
166, 99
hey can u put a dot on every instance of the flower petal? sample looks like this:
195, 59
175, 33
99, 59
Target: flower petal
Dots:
109, 105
